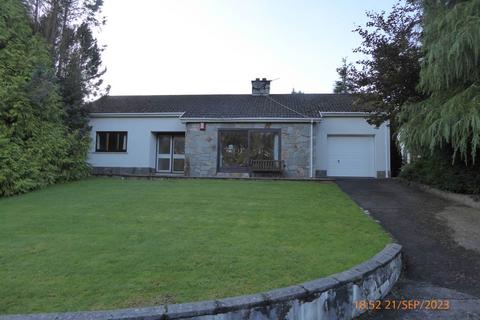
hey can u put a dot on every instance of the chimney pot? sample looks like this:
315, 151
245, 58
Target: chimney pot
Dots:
261, 87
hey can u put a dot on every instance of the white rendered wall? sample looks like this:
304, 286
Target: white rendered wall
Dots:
141, 140
352, 126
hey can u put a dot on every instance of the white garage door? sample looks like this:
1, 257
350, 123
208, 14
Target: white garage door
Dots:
350, 156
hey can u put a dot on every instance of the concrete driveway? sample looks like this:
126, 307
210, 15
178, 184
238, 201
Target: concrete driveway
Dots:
441, 242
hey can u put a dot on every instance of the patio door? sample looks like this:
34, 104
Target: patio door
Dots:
170, 153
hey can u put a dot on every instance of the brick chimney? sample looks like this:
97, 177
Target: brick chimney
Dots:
261, 87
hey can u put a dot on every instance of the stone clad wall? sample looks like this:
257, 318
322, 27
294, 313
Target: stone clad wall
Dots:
200, 151
335, 297
201, 148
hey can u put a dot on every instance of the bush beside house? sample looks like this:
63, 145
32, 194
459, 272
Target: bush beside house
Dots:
36, 146
438, 171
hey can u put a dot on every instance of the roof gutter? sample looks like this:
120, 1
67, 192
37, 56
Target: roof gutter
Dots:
344, 114
136, 114
206, 119
306, 120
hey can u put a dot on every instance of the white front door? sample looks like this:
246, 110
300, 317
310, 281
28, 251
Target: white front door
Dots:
351, 156
170, 153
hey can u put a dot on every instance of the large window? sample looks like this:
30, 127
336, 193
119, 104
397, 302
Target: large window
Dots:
111, 141
233, 149
238, 147
264, 145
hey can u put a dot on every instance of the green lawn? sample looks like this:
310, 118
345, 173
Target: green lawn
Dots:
110, 243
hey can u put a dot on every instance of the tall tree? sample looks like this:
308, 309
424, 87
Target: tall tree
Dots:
387, 77
68, 27
449, 119
344, 84
35, 144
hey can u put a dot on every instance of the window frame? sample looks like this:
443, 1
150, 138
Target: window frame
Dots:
109, 132
248, 131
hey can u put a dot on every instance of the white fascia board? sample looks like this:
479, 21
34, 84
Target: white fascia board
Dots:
345, 114
136, 115
306, 120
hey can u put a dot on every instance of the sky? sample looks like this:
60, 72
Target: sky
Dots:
159, 47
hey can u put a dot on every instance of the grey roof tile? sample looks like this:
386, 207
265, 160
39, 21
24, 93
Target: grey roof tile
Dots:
229, 106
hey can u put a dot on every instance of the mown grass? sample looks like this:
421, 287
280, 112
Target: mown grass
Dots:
109, 243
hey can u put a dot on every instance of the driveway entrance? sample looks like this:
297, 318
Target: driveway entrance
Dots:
441, 246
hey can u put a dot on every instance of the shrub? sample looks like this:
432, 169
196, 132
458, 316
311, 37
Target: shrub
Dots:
438, 171
36, 146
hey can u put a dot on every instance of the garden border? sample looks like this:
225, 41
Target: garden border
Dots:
469, 200
333, 297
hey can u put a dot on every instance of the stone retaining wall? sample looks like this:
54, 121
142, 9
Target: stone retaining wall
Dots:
332, 297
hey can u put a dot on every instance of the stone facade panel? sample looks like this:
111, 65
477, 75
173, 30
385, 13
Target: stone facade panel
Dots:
201, 148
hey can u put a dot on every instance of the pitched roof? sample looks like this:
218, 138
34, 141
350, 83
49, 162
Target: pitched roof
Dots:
229, 106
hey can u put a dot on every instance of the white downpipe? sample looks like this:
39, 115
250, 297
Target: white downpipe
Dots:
311, 148
387, 149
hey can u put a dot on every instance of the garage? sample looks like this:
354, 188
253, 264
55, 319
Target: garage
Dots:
351, 156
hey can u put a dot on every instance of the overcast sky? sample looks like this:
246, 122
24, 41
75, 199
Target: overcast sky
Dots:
218, 46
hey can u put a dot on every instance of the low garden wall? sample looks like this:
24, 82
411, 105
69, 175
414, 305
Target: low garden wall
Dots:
332, 297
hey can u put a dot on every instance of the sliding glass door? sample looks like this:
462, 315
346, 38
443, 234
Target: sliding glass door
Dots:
170, 153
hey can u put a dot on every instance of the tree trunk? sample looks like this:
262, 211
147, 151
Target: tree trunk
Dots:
396, 160
51, 28
62, 50
35, 17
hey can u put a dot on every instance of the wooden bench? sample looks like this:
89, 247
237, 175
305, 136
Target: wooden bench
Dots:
266, 166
